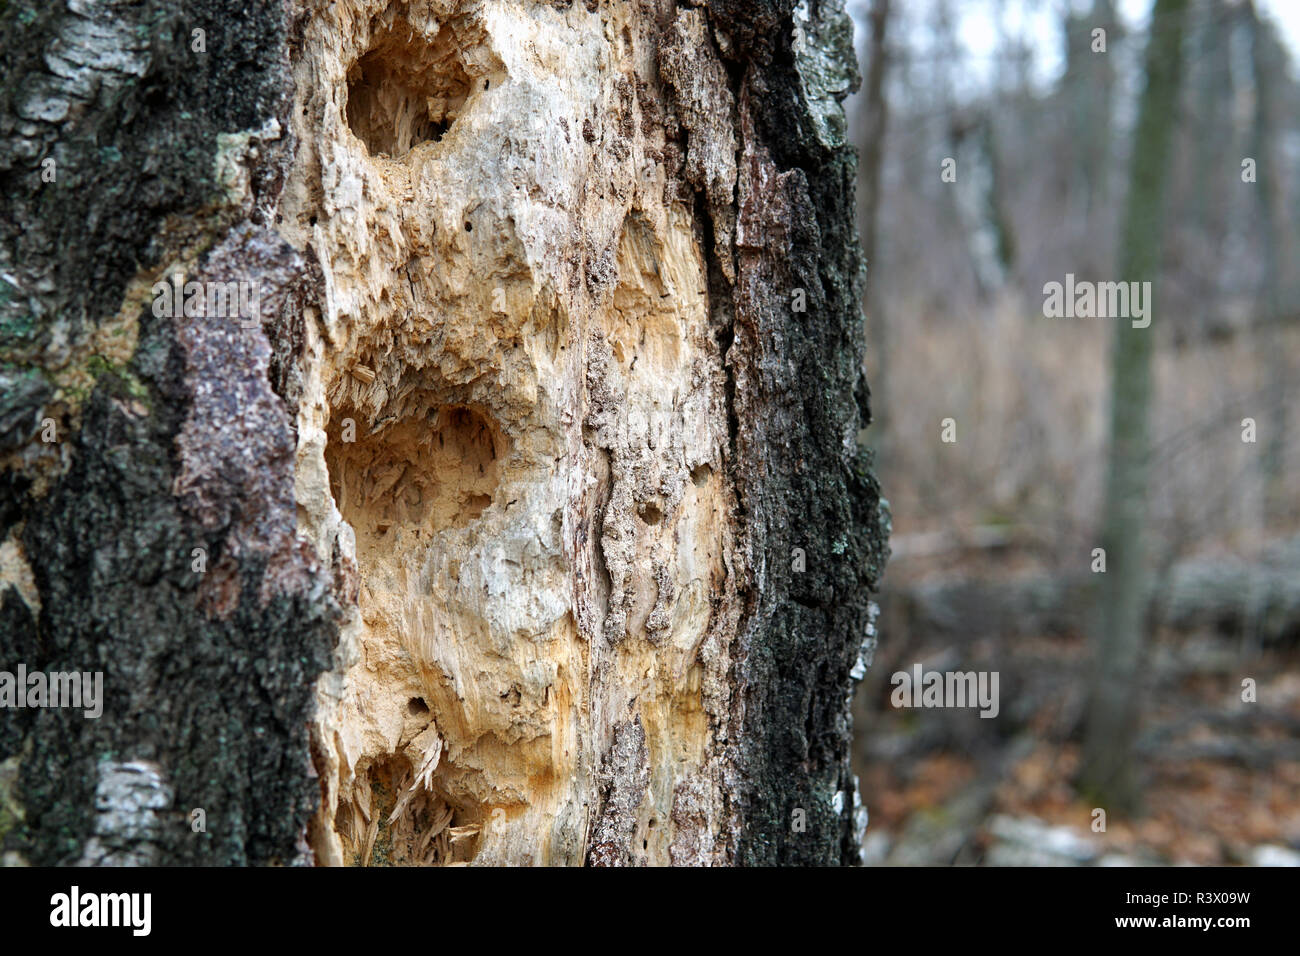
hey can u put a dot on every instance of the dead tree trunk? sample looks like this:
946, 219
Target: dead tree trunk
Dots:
437, 423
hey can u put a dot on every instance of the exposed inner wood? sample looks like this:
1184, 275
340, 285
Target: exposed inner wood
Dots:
406, 90
511, 436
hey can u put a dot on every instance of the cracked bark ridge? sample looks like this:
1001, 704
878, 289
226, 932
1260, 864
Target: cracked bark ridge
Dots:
799, 399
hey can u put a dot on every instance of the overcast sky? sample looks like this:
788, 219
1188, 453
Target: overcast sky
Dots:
1041, 19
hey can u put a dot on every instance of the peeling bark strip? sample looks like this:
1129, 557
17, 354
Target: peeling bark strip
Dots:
480, 545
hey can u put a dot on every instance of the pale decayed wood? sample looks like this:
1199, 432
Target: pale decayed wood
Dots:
516, 324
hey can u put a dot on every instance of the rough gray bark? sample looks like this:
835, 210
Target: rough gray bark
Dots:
183, 433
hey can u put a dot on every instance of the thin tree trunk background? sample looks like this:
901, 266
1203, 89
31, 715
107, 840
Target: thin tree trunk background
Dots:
525, 522
1279, 261
1108, 771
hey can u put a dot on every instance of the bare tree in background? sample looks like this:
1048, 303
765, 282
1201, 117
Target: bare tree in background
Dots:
1089, 84
1268, 61
1108, 771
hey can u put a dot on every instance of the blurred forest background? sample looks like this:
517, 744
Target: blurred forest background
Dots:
994, 534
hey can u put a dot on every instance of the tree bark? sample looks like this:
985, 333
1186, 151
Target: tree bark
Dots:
520, 519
